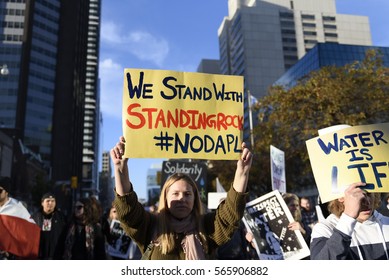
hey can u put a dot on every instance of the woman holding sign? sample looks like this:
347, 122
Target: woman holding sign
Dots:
179, 230
354, 230
293, 203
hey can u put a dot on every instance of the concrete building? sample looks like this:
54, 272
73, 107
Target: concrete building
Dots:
106, 181
210, 66
153, 184
261, 39
106, 163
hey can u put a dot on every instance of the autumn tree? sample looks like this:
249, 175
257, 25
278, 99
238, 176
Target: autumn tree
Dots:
354, 94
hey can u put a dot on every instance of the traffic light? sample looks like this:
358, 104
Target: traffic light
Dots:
74, 182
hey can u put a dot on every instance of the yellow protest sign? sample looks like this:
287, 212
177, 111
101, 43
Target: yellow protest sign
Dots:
169, 114
353, 154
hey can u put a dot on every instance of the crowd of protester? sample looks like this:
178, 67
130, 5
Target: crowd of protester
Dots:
346, 229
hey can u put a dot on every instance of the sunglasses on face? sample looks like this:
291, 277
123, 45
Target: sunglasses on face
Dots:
1, 190
79, 207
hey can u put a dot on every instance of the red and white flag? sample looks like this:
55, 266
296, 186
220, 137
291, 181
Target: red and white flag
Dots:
19, 234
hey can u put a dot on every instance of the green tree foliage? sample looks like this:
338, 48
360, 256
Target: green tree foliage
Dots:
222, 169
354, 94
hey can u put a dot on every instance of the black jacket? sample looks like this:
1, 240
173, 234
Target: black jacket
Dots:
51, 241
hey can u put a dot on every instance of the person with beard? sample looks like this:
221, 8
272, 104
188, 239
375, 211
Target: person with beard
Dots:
354, 230
52, 223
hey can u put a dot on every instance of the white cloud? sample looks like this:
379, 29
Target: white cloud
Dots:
145, 46
110, 33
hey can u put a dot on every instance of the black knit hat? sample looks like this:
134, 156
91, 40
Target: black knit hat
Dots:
48, 195
5, 183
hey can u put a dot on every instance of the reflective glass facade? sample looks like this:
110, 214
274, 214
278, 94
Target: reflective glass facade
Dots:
11, 39
41, 77
326, 54
49, 101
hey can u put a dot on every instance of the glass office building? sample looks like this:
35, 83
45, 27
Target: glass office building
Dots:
326, 54
50, 96
27, 93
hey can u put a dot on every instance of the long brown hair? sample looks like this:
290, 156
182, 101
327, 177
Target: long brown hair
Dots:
89, 215
290, 197
166, 236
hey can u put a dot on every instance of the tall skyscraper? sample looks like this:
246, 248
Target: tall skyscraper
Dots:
261, 39
28, 46
106, 195
106, 164
153, 183
50, 98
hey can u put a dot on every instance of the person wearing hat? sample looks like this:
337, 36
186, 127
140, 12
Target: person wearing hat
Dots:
52, 223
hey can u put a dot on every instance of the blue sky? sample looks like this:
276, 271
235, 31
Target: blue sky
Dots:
176, 35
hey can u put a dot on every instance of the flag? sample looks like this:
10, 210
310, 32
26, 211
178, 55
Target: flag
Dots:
219, 186
214, 198
19, 234
253, 100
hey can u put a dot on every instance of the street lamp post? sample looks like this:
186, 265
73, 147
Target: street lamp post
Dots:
251, 120
4, 71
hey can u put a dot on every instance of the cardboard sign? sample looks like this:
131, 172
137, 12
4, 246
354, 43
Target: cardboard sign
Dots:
119, 243
350, 155
196, 170
214, 199
268, 217
277, 167
168, 114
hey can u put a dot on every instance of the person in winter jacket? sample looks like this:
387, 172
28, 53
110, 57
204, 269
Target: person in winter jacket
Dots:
52, 223
354, 230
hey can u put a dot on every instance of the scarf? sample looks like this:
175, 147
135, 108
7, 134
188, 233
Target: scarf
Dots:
191, 243
89, 241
